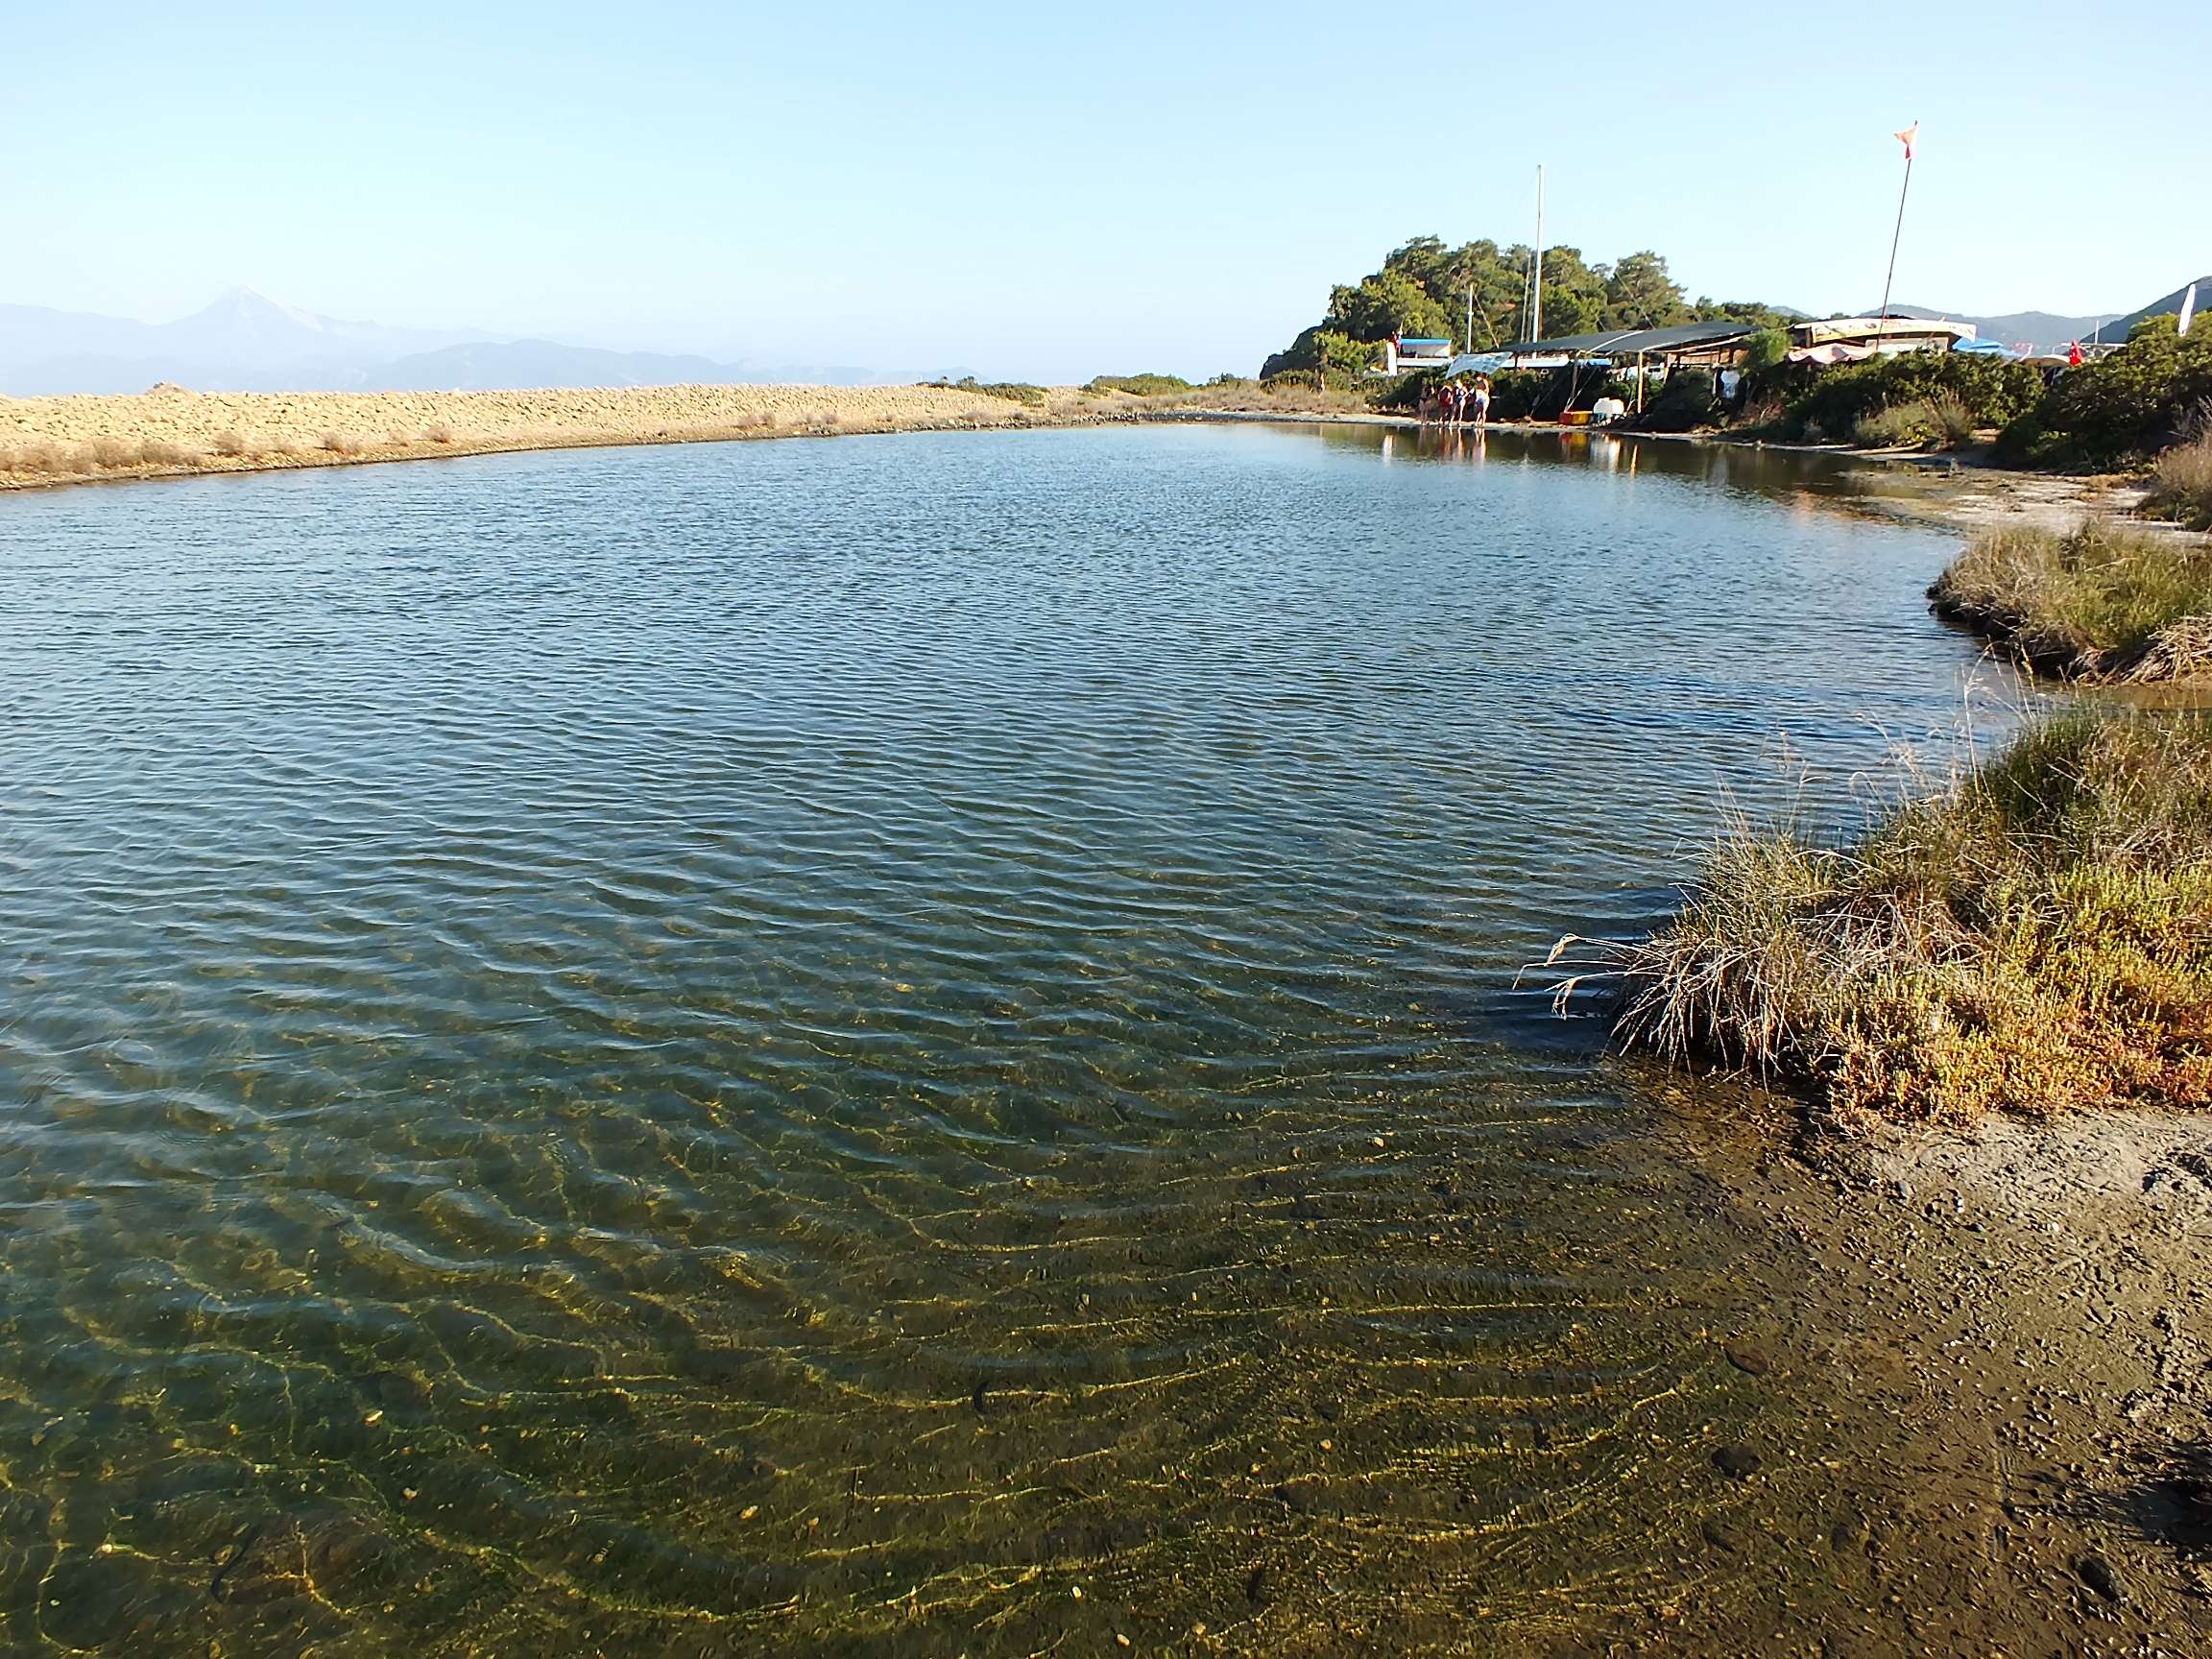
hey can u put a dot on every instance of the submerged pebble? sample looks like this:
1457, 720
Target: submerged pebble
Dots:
1737, 1462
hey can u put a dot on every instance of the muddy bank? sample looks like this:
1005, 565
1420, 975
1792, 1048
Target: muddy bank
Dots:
1995, 1355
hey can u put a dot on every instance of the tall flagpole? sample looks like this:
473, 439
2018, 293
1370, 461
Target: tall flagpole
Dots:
1908, 134
1536, 274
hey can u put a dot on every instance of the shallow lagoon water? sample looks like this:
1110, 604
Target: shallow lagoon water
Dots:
907, 1045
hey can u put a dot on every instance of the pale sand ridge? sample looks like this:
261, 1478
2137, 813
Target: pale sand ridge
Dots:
172, 430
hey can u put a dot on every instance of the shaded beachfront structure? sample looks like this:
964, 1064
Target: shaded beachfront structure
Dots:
1719, 344
1649, 355
1682, 343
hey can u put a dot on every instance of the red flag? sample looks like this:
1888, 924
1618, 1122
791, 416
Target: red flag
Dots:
1907, 136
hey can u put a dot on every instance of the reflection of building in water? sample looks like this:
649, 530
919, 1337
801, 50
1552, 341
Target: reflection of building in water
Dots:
1607, 450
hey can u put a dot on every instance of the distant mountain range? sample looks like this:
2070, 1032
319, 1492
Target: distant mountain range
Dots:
246, 342
2049, 333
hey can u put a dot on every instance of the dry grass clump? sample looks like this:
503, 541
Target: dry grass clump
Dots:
1940, 421
229, 444
2181, 483
2032, 935
58, 460
161, 452
116, 451
438, 432
339, 444
2098, 603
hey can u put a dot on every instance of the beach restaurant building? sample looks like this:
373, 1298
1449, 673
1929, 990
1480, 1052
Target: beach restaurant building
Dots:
1856, 339
1718, 345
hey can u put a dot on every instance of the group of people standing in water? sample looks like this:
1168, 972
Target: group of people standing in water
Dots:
1453, 404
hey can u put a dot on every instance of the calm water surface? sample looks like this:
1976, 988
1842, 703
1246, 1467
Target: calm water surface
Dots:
907, 1045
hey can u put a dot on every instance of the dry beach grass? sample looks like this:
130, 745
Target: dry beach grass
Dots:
2098, 603
172, 430
2032, 934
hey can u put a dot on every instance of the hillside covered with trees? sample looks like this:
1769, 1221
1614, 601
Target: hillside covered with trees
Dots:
1422, 291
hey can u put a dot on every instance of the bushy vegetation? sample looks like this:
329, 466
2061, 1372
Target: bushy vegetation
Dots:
1765, 350
1820, 401
1940, 421
2120, 408
2181, 483
2101, 603
2032, 935
1139, 385
1422, 292
1013, 391
1687, 399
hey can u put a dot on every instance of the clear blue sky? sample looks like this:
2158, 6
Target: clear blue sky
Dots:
1050, 191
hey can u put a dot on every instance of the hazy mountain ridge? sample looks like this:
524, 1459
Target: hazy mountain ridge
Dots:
246, 342
2043, 330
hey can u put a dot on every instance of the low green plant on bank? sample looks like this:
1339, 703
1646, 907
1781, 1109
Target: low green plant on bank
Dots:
2098, 603
2032, 935
2181, 483
1138, 385
1013, 391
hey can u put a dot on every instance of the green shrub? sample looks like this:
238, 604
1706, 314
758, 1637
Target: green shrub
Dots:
1514, 392
1765, 350
1138, 385
2119, 408
1013, 391
1991, 390
1688, 399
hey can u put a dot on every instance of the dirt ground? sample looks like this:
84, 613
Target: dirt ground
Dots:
2011, 1318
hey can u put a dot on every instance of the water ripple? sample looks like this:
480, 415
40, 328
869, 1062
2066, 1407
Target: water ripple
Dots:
813, 1046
